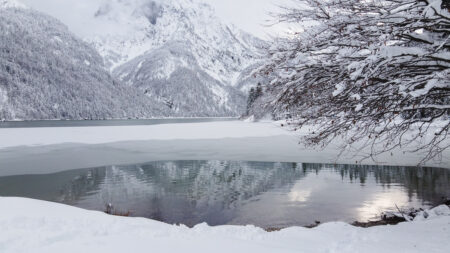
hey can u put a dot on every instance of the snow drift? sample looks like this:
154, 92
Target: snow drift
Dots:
37, 226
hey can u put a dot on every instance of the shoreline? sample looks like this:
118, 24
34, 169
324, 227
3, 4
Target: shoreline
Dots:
49, 150
48, 159
385, 219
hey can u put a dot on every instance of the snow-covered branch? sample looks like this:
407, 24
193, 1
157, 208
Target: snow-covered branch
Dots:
361, 67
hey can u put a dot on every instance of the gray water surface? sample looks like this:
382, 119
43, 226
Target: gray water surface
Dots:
264, 194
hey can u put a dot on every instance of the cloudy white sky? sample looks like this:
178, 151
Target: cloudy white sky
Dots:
249, 15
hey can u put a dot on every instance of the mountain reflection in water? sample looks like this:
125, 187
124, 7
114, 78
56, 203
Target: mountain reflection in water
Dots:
228, 192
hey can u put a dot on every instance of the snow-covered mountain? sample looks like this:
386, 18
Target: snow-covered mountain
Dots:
178, 52
131, 28
48, 73
172, 75
175, 51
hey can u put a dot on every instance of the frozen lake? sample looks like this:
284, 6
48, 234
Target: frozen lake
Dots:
191, 171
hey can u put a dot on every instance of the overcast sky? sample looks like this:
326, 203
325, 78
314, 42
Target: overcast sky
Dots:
249, 15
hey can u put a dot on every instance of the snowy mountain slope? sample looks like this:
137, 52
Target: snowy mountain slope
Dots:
134, 27
200, 59
176, 52
250, 77
48, 73
172, 74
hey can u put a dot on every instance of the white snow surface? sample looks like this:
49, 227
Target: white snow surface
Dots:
49, 150
12, 137
37, 226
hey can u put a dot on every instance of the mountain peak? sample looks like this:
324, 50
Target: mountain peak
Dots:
144, 25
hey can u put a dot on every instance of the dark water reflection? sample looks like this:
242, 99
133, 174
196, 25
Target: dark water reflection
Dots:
221, 192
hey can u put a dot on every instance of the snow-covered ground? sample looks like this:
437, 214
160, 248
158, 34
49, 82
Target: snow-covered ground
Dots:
38, 226
49, 150
12, 137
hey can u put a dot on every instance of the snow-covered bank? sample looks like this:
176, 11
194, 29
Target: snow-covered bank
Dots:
49, 150
13, 137
37, 226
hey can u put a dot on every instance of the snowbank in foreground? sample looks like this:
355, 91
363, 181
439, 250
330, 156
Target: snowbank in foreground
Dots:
12, 137
37, 226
